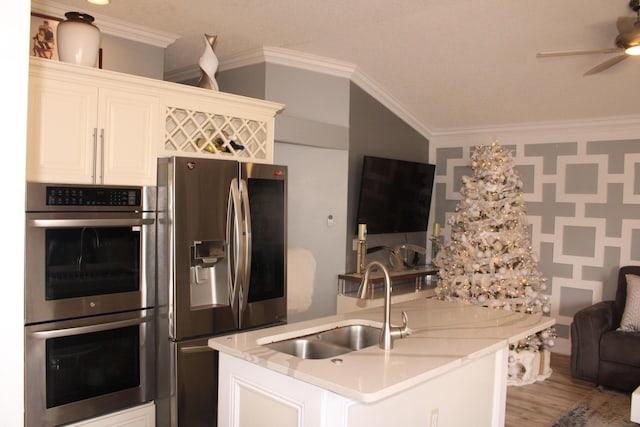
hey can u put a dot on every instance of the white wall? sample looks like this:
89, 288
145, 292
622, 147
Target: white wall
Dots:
317, 189
15, 55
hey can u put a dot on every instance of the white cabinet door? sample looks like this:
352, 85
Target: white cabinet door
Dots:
62, 122
252, 396
129, 131
91, 135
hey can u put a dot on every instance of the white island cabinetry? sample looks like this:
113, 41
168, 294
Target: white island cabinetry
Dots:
91, 126
251, 396
450, 371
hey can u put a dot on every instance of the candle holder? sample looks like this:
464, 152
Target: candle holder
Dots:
361, 261
436, 244
362, 256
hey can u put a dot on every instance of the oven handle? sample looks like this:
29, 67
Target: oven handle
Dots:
104, 222
91, 328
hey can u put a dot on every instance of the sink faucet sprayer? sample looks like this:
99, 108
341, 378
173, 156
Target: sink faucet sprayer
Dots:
388, 332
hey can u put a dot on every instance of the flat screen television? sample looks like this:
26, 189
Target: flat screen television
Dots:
395, 195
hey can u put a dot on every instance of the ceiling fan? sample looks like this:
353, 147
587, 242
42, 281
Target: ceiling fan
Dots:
627, 42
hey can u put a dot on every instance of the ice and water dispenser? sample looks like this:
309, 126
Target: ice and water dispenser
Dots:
208, 277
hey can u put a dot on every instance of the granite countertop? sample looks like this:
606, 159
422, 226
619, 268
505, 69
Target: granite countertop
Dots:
444, 336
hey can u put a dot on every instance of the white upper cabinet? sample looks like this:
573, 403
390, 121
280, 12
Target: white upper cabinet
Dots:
61, 126
131, 125
85, 134
90, 126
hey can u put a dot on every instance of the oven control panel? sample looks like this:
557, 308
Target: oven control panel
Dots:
54, 197
92, 196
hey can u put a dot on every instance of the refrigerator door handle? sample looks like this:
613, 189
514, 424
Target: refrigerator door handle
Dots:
234, 235
246, 225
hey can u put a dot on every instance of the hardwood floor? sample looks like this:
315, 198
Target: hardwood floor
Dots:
541, 403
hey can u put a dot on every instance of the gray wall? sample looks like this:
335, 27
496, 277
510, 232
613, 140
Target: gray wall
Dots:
132, 57
247, 81
316, 229
312, 140
327, 126
582, 195
376, 131
315, 120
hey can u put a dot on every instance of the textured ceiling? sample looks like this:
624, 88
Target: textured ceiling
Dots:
450, 64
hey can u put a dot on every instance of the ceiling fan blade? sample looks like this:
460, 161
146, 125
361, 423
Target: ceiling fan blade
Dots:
553, 53
625, 24
606, 64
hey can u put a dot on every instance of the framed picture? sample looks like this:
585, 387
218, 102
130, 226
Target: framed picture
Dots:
43, 36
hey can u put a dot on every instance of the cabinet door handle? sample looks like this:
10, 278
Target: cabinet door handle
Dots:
95, 152
101, 155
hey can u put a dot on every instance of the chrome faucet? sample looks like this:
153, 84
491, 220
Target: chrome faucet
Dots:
388, 332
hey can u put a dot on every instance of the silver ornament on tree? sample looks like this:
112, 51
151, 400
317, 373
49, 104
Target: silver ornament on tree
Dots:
208, 64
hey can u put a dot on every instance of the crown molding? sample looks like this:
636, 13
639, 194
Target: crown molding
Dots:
111, 26
274, 55
295, 59
628, 122
345, 70
373, 88
327, 66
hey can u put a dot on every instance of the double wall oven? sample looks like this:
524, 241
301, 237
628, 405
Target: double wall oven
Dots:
89, 300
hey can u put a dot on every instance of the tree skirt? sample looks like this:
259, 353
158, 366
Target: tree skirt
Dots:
602, 408
528, 366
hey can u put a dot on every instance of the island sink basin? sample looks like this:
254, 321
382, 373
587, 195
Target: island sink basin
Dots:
330, 343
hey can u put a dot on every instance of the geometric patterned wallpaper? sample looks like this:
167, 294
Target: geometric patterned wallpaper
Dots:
582, 202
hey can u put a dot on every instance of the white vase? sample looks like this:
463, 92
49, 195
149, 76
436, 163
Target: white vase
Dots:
78, 39
208, 64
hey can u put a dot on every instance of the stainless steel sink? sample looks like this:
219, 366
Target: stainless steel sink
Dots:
306, 348
330, 343
354, 337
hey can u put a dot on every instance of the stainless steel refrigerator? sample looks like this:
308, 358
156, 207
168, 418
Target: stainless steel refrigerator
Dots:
221, 269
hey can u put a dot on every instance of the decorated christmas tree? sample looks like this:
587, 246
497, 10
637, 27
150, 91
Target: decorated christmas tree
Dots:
489, 260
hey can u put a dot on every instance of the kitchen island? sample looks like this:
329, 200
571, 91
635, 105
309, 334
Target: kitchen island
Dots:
450, 371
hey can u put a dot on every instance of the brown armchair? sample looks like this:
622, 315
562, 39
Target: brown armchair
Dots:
599, 352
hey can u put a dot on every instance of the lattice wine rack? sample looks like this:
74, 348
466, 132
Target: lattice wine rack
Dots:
189, 132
